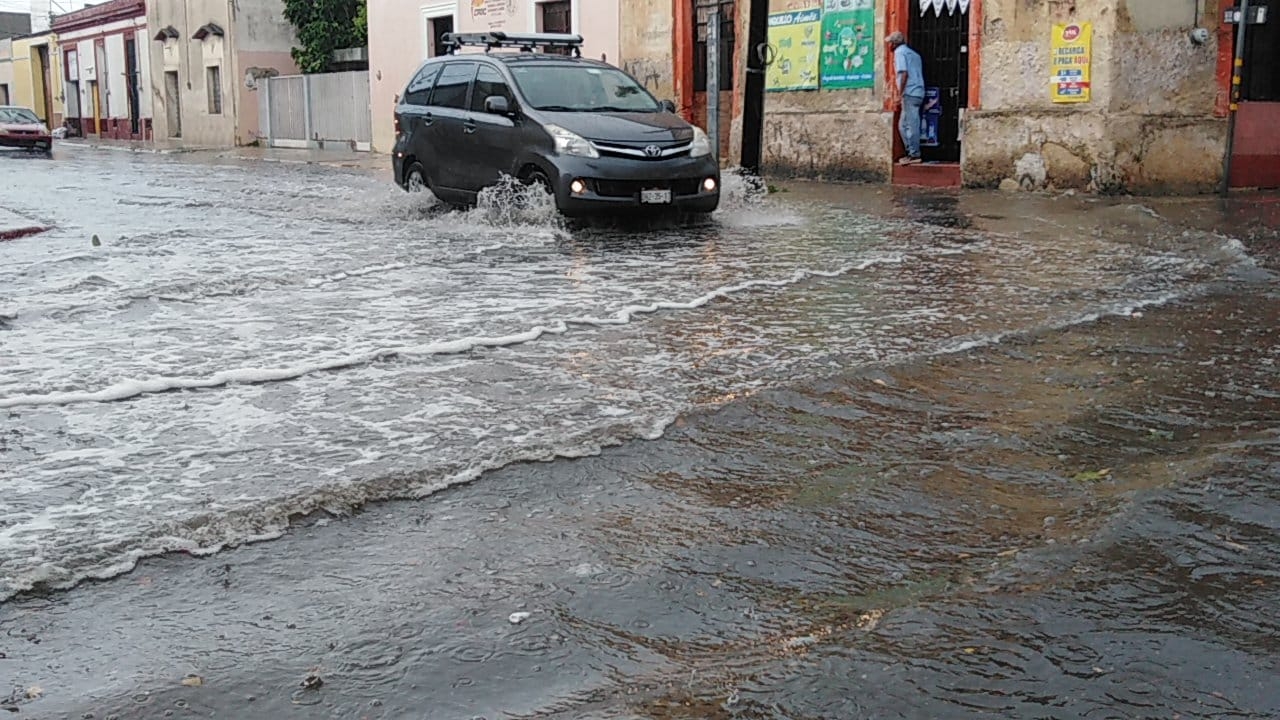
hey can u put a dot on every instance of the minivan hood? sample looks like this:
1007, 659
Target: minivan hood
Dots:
626, 128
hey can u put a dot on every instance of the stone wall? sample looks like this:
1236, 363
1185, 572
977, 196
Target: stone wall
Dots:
1150, 125
645, 44
829, 134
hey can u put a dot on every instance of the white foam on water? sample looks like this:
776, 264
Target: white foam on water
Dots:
131, 388
369, 344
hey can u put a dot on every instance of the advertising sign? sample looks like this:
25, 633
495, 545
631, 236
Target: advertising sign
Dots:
930, 115
848, 44
1070, 58
794, 36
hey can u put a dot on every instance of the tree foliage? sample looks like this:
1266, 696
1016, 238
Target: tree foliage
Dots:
324, 26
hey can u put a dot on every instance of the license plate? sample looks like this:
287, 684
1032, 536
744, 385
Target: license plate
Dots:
655, 197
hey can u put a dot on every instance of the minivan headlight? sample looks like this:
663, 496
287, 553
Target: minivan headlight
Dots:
570, 143
701, 143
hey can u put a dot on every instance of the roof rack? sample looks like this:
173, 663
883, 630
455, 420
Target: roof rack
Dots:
526, 42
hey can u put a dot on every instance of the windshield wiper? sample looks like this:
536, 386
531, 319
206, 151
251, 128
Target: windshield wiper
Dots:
559, 108
615, 108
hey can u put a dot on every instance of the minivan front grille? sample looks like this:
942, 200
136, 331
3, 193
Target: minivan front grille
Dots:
643, 152
632, 188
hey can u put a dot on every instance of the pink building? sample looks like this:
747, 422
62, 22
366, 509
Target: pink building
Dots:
402, 35
105, 70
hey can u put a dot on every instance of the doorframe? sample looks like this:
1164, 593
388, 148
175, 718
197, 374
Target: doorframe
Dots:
898, 19
434, 11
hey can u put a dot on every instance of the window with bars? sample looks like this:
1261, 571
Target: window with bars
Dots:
702, 10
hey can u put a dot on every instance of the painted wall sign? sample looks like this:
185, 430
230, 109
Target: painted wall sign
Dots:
1070, 60
794, 37
848, 44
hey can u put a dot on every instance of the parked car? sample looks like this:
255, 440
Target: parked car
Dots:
584, 130
20, 128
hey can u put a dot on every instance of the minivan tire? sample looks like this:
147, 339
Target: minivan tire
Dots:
415, 172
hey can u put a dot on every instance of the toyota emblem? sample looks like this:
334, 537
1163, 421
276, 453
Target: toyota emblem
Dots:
653, 151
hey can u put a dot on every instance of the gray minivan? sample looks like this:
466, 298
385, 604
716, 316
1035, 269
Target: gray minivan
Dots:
584, 130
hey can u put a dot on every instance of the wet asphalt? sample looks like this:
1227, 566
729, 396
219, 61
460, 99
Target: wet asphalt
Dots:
989, 457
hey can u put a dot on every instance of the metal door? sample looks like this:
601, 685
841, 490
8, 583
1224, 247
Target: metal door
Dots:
1255, 146
172, 103
557, 17
942, 39
131, 82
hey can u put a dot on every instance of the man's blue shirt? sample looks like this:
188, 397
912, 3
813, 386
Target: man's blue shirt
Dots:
907, 60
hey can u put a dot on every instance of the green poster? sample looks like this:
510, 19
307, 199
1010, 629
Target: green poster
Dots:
848, 44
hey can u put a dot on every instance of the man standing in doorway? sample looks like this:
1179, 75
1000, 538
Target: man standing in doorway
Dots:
908, 94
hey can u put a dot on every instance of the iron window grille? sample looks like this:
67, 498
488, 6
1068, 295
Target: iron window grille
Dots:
702, 10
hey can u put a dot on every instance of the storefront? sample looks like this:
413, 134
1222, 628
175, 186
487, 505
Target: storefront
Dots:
1103, 94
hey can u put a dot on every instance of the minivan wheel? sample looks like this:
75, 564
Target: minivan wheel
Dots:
415, 180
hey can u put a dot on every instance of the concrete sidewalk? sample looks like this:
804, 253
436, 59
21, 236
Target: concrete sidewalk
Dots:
332, 157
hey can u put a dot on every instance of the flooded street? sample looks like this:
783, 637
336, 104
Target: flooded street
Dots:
840, 452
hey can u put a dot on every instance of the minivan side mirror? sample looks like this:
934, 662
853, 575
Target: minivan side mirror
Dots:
497, 105
668, 106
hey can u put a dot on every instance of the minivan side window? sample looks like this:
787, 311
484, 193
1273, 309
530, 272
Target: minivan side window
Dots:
489, 82
419, 90
451, 88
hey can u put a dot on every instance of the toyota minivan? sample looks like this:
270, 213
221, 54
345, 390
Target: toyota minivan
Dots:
584, 130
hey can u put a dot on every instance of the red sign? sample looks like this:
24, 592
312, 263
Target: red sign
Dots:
1070, 32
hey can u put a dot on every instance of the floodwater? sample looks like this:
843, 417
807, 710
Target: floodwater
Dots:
837, 453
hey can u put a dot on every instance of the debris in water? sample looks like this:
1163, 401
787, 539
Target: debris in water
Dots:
516, 618
193, 680
312, 682
1093, 475
96, 241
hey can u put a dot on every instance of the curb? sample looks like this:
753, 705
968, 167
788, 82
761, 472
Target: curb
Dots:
15, 233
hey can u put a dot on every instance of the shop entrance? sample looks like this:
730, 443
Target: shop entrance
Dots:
939, 31
1255, 154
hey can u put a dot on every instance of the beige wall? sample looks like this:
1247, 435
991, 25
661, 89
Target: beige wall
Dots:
263, 39
6, 67
645, 44
398, 44
1149, 126
263, 47
836, 134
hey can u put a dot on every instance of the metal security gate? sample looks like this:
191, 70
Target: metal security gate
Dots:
316, 111
1254, 154
941, 36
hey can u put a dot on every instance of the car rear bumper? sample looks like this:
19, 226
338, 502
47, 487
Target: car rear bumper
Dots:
614, 185
42, 142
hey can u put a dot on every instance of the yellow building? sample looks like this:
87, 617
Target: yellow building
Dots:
37, 76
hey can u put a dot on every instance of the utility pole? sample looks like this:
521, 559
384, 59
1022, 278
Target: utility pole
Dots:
713, 80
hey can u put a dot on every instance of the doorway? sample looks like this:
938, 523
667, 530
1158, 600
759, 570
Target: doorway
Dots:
95, 109
172, 104
101, 90
437, 21
45, 99
131, 81
556, 16
941, 35
1255, 150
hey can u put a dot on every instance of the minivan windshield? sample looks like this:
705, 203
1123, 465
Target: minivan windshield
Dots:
18, 115
569, 87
